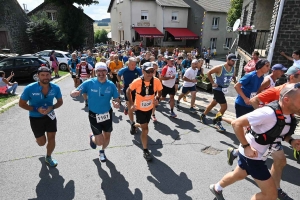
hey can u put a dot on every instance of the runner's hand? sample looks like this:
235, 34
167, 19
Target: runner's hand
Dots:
247, 101
296, 144
250, 152
48, 110
214, 85
133, 108
116, 104
75, 93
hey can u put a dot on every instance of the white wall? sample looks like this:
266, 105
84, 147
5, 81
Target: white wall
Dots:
182, 17
138, 6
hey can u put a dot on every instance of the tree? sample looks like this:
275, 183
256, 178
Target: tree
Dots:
234, 12
71, 2
100, 36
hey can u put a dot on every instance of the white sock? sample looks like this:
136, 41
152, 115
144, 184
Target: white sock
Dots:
235, 152
218, 187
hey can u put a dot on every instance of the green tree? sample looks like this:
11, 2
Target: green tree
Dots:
234, 12
100, 36
71, 2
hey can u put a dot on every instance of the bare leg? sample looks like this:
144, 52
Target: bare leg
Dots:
210, 106
279, 162
193, 93
98, 139
51, 142
106, 141
232, 177
268, 190
144, 135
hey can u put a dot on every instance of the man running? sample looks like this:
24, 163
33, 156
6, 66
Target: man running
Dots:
168, 77
129, 74
224, 76
145, 88
100, 91
189, 84
72, 68
114, 67
42, 117
269, 126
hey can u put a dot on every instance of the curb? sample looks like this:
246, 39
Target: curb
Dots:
6, 106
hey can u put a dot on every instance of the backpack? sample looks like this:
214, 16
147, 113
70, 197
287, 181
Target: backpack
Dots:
72, 64
146, 90
271, 135
87, 68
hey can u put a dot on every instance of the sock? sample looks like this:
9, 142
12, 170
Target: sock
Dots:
101, 151
235, 152
171, 109
279, 189
218, 187
48, 156
146, 150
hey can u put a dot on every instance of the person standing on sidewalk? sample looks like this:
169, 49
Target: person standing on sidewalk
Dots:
42, 117
99, 91
54, 63
224, 75
269, 126
250, 66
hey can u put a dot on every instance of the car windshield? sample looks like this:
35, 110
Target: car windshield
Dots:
68, 55
42, 60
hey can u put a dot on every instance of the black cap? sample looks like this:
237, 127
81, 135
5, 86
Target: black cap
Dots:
83, 59
261, 63
232, 57
147, 65
44, 69
169, 58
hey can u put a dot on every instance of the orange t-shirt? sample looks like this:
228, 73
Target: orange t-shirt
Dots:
144, 103
114, 67
271, 94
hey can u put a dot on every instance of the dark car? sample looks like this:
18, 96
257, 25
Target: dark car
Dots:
24, 67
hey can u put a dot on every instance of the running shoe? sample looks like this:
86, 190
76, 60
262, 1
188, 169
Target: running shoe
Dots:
220, 127
50, 162
126, 110
218, 118
102, 156
179, 86
218, 195
193, 110
184, 98
283, 196
297, 155
154, 118
230, 156
147, 156
173, 115
132, 129
203, 119
92, 144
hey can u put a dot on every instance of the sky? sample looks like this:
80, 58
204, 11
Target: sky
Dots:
96, 12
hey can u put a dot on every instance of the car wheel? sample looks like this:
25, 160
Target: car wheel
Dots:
63, 67
34, 77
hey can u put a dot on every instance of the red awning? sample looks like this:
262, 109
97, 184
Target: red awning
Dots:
149, 32
182, 33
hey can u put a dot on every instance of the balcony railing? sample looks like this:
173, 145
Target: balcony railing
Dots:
254, 41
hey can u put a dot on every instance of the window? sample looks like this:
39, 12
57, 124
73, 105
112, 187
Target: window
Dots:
58, 55
52, 16
144, 15
174, 15
215, 23
228, 42
22, 62
7, 63
44, 53
123, 34
213, 43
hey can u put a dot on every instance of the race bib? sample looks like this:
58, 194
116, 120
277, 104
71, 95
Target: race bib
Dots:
102, 117
52, 115
146, 104
225, 90
253, 94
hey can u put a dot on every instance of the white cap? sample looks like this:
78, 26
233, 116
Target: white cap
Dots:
195, 61
100, 65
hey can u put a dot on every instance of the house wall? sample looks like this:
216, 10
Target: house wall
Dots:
263, 14
182, 21
13, 21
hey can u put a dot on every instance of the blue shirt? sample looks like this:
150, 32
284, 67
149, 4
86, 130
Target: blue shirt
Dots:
72, 63
33, 94
250, 84
224, 79
129, 75
99, 94
186, 63
91, 61
125, 59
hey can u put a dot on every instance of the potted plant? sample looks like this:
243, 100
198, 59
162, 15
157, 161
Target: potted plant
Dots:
203, 82
246, 30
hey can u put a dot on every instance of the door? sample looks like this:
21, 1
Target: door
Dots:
149, 42
7, 66
4, 40
23, 67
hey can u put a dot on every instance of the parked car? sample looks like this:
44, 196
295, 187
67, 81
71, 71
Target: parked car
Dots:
62, 56
24, 67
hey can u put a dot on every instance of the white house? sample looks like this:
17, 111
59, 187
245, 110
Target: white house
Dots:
155, 22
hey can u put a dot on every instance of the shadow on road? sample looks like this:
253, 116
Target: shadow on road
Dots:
115, 186
167, 181
51, 185
154, 145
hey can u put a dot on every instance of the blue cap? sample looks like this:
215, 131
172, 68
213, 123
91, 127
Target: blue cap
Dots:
279, 67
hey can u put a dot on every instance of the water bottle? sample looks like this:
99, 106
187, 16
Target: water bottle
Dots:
45, 107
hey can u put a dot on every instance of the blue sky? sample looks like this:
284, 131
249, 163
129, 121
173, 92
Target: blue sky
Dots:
96, 12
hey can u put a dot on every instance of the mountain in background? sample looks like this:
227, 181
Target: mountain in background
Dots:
103, 22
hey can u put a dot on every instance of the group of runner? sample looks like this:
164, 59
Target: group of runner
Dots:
145, 87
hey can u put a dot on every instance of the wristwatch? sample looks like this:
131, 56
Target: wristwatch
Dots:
244, 146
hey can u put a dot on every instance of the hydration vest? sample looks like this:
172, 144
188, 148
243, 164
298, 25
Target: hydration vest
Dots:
271, 135
86, 68
145, 88
73, 65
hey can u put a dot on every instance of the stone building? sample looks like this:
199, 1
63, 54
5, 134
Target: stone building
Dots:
53, 11
277, 24
12, 27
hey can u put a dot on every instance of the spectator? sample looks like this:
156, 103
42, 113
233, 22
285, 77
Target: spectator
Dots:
295, 57
7, 87
54, 64
250, 66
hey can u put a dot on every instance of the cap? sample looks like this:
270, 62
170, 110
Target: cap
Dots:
293, 70
279, 67
232, 57
101, 66
147, 65
260, 64
154, 63
195, 61
169, 58
83, 59
44, 69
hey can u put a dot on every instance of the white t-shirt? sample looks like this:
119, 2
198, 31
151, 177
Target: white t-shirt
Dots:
262, 120
297, 62
190, 74
169, 71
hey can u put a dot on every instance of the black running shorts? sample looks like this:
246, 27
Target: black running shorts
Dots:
219, 96
105, 126
40, 125
143, 117
114, 79
167, 91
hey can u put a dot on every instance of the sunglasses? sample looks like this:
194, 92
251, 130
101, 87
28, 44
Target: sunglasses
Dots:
296, 86
101, 71
149, 71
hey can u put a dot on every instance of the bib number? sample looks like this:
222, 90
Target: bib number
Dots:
225, 90
253, 94
102, 117
146, 104
52, 115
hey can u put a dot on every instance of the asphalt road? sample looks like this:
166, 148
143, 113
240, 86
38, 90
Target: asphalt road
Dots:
189, 156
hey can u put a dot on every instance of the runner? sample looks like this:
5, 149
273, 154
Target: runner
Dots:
145, 88
114, 67
157, 75
168, 77
270, 125
189, 84
146, 58
72, 68
224, 76
129, 74
100, 91
42, 117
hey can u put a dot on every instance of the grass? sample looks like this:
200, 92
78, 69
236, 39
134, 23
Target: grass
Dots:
61, 73
5, 99
96, 27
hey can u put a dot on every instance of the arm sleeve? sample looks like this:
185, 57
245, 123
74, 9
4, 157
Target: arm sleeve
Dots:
268, 95
83, 87
158, 84
260, 116
90, 67
121, 72
140, 72
133, 85
115, 92
25, 95
58, 94
245, 79
164, 71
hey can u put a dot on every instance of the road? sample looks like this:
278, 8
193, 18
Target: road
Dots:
189, 156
